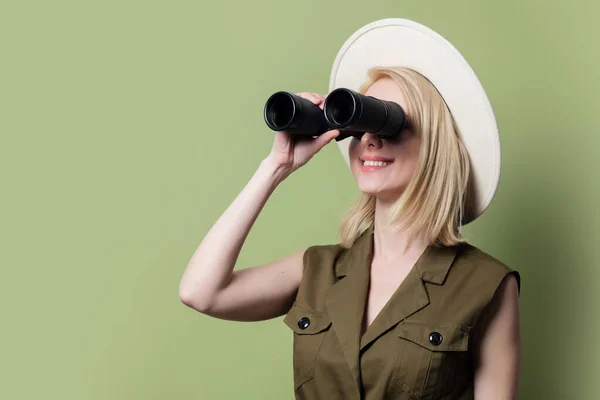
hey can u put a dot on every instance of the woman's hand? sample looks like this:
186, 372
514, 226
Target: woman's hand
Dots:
290, 153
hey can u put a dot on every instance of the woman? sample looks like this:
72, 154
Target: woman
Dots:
403, 307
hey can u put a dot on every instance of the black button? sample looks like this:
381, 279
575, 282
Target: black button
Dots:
303, 323
435, 338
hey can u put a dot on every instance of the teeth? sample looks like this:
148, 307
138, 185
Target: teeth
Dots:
375, 163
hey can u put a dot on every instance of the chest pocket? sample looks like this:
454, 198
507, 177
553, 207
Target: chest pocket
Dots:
309, 327
432, 359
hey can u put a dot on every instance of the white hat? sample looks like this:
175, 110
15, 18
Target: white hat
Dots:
400, 42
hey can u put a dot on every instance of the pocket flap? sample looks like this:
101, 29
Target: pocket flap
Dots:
435, 337
306, 321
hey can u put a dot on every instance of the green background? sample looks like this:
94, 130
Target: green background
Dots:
129, 126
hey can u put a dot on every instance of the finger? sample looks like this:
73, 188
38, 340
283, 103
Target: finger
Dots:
310, 96
318, 97
322, 105
325, 138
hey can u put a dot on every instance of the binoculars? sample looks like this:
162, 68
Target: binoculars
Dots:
348, 111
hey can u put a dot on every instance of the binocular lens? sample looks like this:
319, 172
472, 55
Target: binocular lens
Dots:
341, 108
285, 111
279, 111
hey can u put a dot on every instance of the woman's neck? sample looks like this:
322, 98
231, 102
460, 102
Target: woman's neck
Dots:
390, 245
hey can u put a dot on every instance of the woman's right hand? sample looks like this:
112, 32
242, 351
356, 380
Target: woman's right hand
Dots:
289, 153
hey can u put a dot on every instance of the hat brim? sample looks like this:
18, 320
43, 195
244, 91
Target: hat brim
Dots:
401, 42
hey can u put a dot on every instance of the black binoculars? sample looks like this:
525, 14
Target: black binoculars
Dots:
350, 112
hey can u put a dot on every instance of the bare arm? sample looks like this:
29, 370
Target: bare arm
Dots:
261, 292
209, 283
497, 346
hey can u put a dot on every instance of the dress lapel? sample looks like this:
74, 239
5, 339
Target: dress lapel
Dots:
346, 299
411, 295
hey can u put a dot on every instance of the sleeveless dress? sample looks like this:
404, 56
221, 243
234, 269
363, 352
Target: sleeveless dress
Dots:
418, 345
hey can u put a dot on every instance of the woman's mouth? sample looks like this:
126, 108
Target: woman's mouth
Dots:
369, 165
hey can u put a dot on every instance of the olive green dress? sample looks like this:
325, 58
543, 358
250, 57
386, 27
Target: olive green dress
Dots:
418, 345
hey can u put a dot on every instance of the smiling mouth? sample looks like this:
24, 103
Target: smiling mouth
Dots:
376, 163
373, 166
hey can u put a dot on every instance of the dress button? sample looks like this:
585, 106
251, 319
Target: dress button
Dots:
303, 323
435, 338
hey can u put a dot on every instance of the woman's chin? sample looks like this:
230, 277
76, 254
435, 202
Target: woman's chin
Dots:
372, 186
387, 195
371, 190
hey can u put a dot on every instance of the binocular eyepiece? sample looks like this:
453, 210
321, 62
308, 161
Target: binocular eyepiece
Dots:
350, 112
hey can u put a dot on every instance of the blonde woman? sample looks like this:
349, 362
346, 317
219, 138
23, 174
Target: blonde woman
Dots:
403, 307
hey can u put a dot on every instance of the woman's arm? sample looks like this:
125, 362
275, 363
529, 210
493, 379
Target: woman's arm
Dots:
497, 345
209, 283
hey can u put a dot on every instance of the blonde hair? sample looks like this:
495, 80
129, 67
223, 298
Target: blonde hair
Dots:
434, 202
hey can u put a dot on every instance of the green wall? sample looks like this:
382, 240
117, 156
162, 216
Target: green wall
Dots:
129, 126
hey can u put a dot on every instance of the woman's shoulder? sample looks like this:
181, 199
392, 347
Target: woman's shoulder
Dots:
477, 256
475, 261
321, 269
323, 254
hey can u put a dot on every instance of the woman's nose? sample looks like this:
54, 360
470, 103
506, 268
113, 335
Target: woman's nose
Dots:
370, 139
